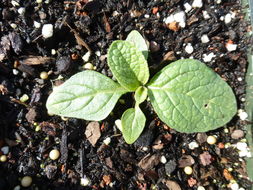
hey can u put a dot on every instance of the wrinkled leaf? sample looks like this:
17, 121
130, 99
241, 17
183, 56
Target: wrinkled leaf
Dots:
87, 95
133, 123
141, 94
189, 97
136, 38
128, 65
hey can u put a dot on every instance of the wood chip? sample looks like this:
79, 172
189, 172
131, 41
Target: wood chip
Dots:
227, 175
172, 185
92, 132
107, 25
149, 161
36, 60
49, 128
185, 160
169, 56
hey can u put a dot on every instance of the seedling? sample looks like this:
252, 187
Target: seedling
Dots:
186, 94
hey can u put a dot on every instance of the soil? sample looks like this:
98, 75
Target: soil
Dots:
158, 158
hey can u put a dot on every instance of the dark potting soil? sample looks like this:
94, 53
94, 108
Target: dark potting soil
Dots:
214, 33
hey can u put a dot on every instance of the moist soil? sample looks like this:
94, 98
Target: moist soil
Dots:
158, 158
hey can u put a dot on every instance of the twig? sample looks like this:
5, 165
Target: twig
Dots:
79, 40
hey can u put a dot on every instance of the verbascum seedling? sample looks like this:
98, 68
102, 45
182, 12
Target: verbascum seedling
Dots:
186, 94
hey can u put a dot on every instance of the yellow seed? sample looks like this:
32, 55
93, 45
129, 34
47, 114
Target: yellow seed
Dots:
43, 75
188, 170
38, 128
211, 140
26, 181
3, 158
54, 154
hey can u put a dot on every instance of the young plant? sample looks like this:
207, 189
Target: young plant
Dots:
186, 94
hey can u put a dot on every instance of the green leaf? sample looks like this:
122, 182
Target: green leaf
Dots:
189, 97
136, 38
133, 123
128, 65
87, 95
141, 94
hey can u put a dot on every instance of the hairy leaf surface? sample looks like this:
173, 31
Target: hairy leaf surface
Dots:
87, 95
128, 65
133, 123
189, 97
136, 38
141, 94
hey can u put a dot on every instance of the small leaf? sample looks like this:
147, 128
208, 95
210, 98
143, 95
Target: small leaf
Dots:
189, 97
87, 95
136, 38
128, 65
133, 123
141, 94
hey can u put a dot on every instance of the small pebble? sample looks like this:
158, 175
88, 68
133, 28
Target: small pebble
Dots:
54, 154
187, 7
206, 15
43, 75
193, 145
180, 18
228, 18
241, 146
107, 141
53, 51
26, 181
5, 150
36, 24
39, 1
163, 160
118, 124
222, 18
226, 130
84, 181
242, 114
13, 25
237, 134
146, 16
21, 10
189, 49
201, 188
197, 4
17, 187
3, 158
47, 30
218, 1
204, 39
209, 57
88, 66
24, 98
15, 71
98, 53
211, 140
169, 19
86, 57
15, 3
188, 170
239, 79
235, 186
231, 47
